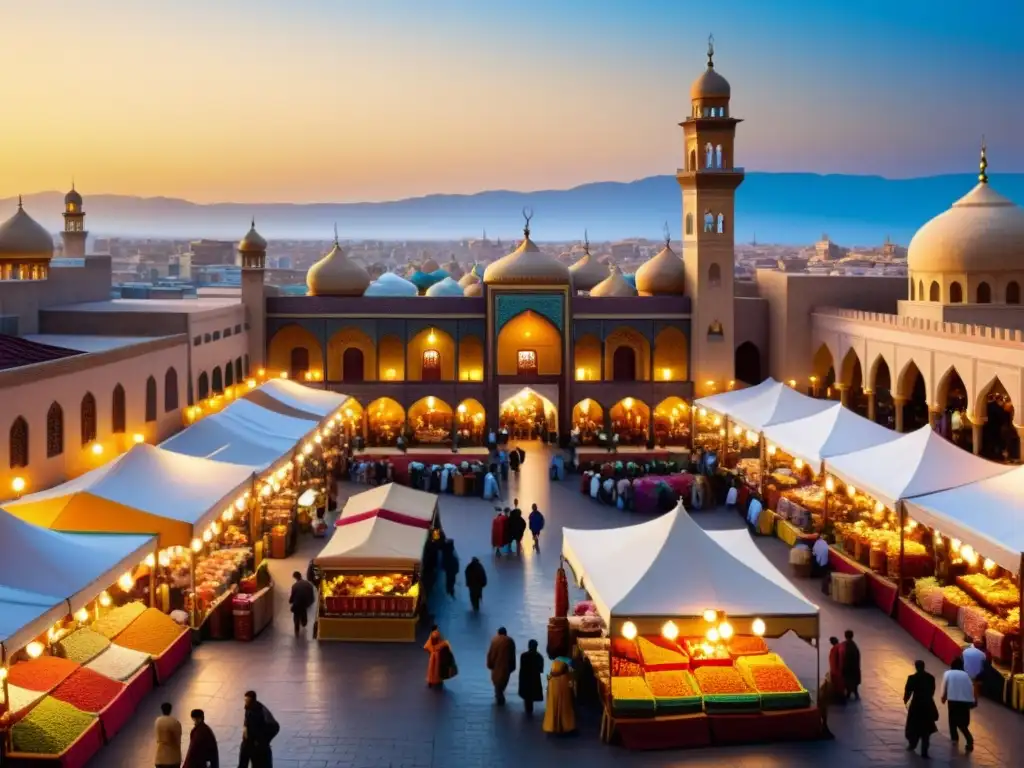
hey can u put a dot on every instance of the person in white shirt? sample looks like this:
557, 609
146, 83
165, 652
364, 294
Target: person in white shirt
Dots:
820, 552
958, 696
974, 665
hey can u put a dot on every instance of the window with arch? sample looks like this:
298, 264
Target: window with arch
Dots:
912, 290
238, 370
54, 431
709, 153
920, 290
117, 411
19, 443
689, 224
721, 223
718, 156
88, 412
217, 381
431, 366
229, 374
245, 364
1013, 292
984, 293
714, 275
203, 386
956, 293
150, 399
693, 160
170, 390
933, 292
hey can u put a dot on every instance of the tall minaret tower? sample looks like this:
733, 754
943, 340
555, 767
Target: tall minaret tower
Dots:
252, 250
709, 179
74, 234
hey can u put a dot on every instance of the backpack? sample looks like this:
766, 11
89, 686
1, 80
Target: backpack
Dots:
273, 727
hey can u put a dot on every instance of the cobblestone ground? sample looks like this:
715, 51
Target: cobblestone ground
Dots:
367, 706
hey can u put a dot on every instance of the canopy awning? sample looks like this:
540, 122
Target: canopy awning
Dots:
26, 615
987, 514
147, 490
914, 464
725, 402
318, 402
224, 441
393, 498
835, 431
670, 567
251, 419
775, 404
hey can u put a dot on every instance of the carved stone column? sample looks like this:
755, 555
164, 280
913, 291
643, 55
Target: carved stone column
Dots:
897, 405
933, 417
872, 412
844, 394
976, 431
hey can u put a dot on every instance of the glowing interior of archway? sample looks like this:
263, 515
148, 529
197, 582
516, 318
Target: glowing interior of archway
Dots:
525, 409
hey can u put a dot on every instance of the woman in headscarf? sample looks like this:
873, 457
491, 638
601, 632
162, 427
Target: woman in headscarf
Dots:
559, 715
836, 659
441, 664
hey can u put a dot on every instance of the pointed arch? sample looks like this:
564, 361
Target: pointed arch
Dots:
54, 430
170, 390
385, 421
851, 361
672, 422
150, 399
471, 422
880, 384
587, 420
620, 347
956, 293
203, 386
630, 419
984, 293
1013, 292
824, 367
217, 381
19, 443
351, 355
933, 292
118, 408
999, 438
88, 418
229, 374
950, 385
529, 332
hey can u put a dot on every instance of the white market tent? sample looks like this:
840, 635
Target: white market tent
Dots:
224, 441
395, 498
374, 543
670, 567
251, 419
835, 431
725, 402
738, 543
302, 398
775, 404
914, 464
987, 515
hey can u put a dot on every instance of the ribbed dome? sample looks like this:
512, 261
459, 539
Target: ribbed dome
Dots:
390, 284
662, 275
982, 232
336, 275
21, 236
526, 265
587, 272
613, 285
474, 289
447, 287
453, 268
73, 198
473, 276
710, 85
252, 242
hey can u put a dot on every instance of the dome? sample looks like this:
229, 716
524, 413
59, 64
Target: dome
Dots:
613, 285
710, 84
473, 276
526, 265
252, 242
982, 232
422, 280
662, 275
429, 265
73, 198
336, 275
447, 287
390, 284
453, 268
474, 289
587, 272
21, 236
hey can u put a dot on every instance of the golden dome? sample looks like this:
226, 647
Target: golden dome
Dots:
662, 275
470, 277
526, 265
22, 237
474, 289
982, 232
587, 272
252, 242
710, 85
336, 275
73, 198
613, 285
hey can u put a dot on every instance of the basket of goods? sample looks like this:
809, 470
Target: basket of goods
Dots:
705, 654
877, 558
800, 562
778, 687
631, 696
747, 645
725, 691
113, 623
953, 599
52, 728
928, 595
82, 645
675, 692
657, 653
849, 588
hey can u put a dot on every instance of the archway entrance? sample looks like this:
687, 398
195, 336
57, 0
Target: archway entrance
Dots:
385, 421
430, 422
999, 439
624, 364
915, 410
631, 421
527, 414
352, 364
954, 422
822, 384
587, 421
672, 422
882, 392
854, 380
748, 363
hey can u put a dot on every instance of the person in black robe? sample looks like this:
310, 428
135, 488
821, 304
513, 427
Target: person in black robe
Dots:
531, 673
513, 461
851, 666
450, 562
922, 714
476, 580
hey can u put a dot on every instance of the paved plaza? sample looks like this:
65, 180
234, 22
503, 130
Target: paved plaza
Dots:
367, 706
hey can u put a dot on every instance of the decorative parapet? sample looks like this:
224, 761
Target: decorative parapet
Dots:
1006, 336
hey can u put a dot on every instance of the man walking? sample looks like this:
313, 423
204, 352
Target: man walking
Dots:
919, 698
476, 580
536, 526
501, 660
258, 731
202, 744
851, 666
168, 739
302, 597
958, 696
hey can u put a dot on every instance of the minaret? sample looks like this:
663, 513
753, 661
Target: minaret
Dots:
252, 250
709, 180
74, 234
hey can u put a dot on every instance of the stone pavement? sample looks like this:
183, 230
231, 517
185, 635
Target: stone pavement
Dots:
367, 706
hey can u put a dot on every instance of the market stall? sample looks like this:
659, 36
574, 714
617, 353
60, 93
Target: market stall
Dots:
219, 440
373, 563
684, 662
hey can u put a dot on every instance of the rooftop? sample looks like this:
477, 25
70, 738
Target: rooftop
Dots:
86, 343
16, 352
182, 306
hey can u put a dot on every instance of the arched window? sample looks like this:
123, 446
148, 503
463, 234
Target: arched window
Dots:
88, 418
911, 290
709, 152
218, 381
19, 443
933, 292
715, 275
150, 399
238, 370
718, 156
170, 390
1013, 292
984, 293
956, 293
689, 223
245, 365
431, 370
117, 409
624, 364
229, 374
693, 159
920, 290
709, 220
721, 223
204, 386
54, 431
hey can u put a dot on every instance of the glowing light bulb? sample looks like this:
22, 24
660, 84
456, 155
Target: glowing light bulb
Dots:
97, 449
216, 528
830, 484
150, 560
138, 437
712, 635
702, 412
737, 430
967, 552
628, 402
725, 630
196, 545
717, 421
105, 600
82, 616
3, 673
758, 627
879, 507
239, 504
207, 536
318, 439
629, 630
307, 448
126, 582
851, 491
710, 616
772, 450
18, 484
35, 649
670, 631
265, 491
462, 407
228, 516
798, 463
431, 338
955, 545
989, 564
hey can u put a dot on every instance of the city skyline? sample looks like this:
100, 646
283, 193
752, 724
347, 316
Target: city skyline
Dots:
348, 102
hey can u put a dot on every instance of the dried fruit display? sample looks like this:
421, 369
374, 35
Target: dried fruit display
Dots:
1008, 626
630, 689
118, 663
747, 645
671, 685
1000, 594
657, 655
51, 727
392, 585
721, 681
625, 649
957, 596
88, 691
153, 633
774, 678
116, 621
42, 674
625, 668
82, 646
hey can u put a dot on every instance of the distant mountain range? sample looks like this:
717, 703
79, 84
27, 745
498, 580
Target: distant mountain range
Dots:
790, 208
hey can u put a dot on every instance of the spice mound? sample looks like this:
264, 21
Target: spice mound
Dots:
774, 678
153, 633
88, 691
42, 674
82, 646
115, 622
670, 685
118, 663
50, 728
720, 681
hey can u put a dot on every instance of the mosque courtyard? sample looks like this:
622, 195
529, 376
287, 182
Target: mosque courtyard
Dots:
367, 706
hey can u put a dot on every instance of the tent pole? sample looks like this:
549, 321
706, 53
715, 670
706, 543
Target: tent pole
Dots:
824, 484
899, 569
1020, 588
152, 574
762, 457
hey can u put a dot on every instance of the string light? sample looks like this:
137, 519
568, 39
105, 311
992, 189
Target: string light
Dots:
710, 616
629, 630
758, 627
670, 631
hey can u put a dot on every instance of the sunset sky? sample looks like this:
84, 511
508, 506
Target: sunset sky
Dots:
339, 100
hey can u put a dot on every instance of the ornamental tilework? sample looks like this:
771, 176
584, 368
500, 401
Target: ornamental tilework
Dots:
547, 306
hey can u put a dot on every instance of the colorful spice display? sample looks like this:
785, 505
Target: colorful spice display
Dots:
657, 654
82, 645
630, 689
999, 594
625, 668
42, 674
118, 663
20, 699
957, 596
153, 632
767, 659
671, 685
88, 691
50, 728
774, 678
721, 681
747, 645
115, 622
625, 649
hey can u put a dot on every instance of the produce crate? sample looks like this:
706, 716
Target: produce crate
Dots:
849, 588
774, 702
877, 560
631, 697
676, 705
659, 654
734, 703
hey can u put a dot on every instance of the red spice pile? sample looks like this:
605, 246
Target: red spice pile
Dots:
42, 674
88, 691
